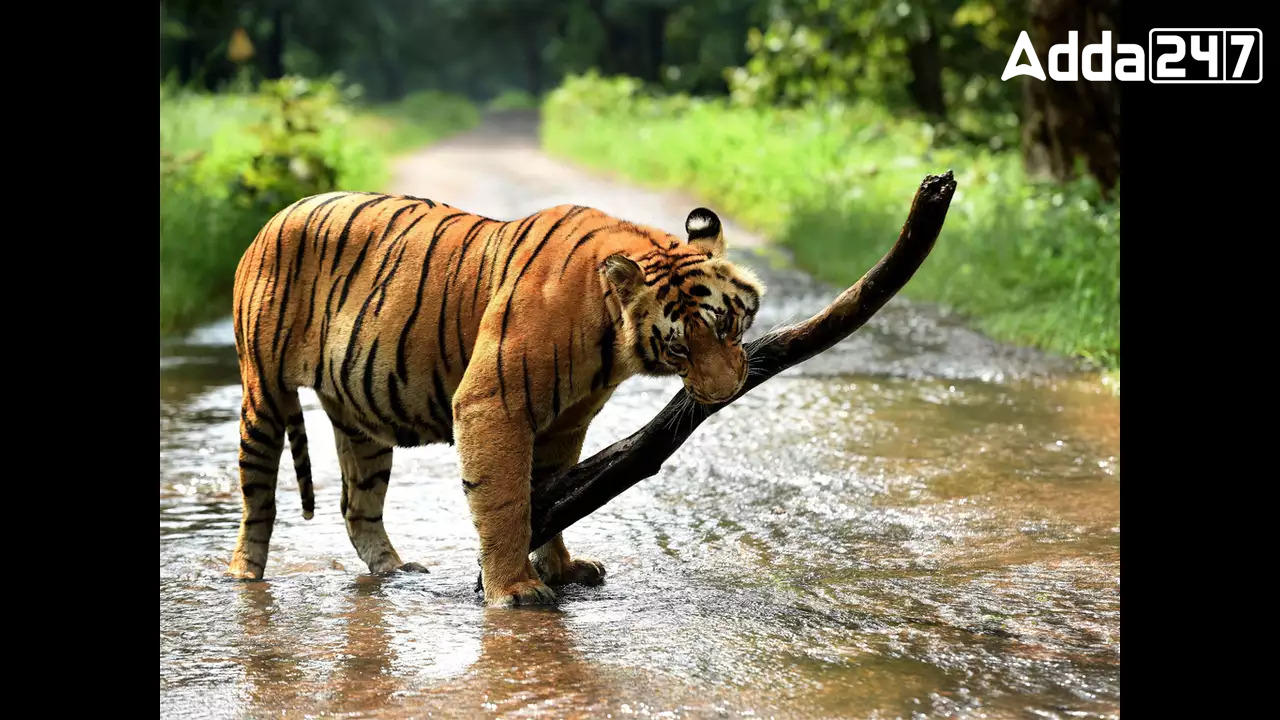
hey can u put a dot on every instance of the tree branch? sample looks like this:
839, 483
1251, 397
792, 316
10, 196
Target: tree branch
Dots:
560, 500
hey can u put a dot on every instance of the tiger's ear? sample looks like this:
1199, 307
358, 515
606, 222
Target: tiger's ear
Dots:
705, 232
623, 275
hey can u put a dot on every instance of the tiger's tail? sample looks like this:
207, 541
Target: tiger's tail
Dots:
301, 459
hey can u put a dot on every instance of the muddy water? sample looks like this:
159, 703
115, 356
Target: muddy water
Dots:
918, 523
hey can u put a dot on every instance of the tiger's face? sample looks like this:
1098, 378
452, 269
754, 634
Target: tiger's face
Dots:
687, 308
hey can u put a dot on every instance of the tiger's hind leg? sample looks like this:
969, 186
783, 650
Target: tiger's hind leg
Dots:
366, 471
261, 443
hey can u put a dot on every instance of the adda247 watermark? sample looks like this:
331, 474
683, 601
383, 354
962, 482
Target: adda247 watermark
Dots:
1172, 55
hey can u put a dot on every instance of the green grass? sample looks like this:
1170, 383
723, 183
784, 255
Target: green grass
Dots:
213, 200
1027, 262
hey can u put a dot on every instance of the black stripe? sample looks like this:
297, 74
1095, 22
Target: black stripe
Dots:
484, 254
391, 222
248, 450
346, 230
493, 261
467, 240
682, 264
315, 282
601, 378
393, 395
348, 357
386, 255
429, 203
369, 395
256, 434
437, 408
441, 348
572, 250
406, 438
355, 268
246, 465
374, 479
382, 289
516, 246
744, 287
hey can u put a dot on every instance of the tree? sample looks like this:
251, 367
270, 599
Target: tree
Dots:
1063, 121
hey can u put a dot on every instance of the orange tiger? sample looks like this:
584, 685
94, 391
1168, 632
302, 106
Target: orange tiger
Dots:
417, 323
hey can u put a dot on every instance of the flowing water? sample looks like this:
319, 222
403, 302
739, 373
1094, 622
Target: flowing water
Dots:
917, 523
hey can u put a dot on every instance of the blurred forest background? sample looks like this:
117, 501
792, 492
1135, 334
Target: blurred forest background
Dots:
810, 120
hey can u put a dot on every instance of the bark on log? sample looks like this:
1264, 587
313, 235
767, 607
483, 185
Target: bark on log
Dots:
560, 500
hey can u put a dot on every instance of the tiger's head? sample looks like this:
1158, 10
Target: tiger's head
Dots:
686, 307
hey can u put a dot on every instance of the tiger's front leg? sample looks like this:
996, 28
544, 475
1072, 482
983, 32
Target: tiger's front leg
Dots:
496, 449
555, 450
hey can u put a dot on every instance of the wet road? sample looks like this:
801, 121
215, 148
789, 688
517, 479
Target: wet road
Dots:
918, 523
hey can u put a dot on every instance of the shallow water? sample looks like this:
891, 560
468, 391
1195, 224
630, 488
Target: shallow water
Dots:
919, 522
855, 544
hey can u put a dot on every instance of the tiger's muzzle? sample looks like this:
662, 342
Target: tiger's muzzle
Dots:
717, 368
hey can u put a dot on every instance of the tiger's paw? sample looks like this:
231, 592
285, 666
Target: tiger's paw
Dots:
579, 571
523, 592
243, 570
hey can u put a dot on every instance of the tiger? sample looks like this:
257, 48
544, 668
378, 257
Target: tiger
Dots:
415, 323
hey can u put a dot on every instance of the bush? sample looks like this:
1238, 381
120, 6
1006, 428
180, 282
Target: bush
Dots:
227, 164
1029, 262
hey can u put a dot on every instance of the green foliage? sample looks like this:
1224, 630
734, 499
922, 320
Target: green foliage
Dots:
301, 145
229, 161
512, 100
816, 52
1032, 263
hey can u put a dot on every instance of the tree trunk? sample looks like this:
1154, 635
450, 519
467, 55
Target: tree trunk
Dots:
656, 37
613, 59
533, 57
1066, 120
925, 56
273, 60
560, 500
